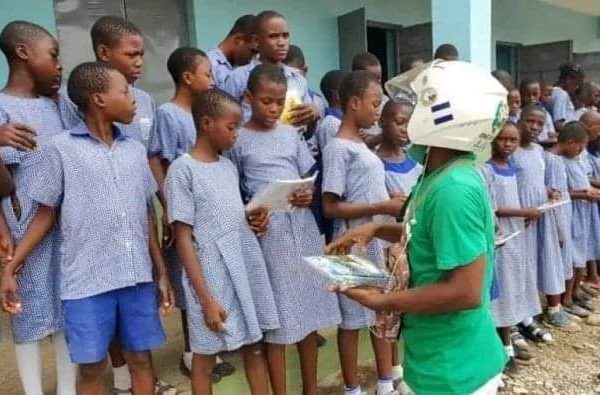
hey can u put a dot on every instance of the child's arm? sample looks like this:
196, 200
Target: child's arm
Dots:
214, 314
373, 140
595, 183
162, 279
7, 244
528, 213
258, 219
584, 195
39, 227
7, 186
335, 207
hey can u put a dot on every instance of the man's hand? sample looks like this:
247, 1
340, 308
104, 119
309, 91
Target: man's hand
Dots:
18, 136
360, 236
368, 297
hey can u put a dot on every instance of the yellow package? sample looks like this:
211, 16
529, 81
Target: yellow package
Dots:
292, 99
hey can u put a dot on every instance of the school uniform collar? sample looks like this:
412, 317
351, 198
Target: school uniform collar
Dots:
334, 112
287, 70
221, 58
82, 130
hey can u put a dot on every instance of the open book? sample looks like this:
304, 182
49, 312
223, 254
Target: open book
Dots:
349, 271
276, 195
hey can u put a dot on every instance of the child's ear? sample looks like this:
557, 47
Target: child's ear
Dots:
247, 96
97, 99
22, 51
102, 52
206, 123
354, 103
186, 78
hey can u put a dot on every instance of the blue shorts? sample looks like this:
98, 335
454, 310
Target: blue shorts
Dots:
128, 315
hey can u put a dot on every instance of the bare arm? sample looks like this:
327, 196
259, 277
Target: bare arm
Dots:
7, 186
334, 207
461, 289
162, 279
529, 213
158, 167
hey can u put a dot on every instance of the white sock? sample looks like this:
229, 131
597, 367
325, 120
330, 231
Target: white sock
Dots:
554, 309
385, 387
187, 359
510, 351
122, 377
397, 372
355, 391
29, 364
527, 321
66, 371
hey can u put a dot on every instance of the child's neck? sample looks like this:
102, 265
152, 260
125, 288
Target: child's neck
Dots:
204, 151
526, 144
20, 84
500, 160
183, 98
391, 151
349, 130
264, 59
226, 48
259, 125
100, 128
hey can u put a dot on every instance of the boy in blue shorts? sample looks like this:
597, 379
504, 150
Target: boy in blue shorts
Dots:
100, 180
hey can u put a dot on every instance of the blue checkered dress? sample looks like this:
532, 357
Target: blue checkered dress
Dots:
38, 280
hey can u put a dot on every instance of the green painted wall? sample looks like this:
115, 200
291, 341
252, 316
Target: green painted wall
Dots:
37, 11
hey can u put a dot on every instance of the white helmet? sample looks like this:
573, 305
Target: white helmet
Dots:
458, 105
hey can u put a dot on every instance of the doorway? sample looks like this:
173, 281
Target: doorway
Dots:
382, 42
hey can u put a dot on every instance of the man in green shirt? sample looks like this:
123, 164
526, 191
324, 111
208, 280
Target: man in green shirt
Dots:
450, 341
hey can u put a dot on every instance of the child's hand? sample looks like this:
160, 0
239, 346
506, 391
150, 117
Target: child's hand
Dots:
168, 233
532, 214
214, 316
258, 219
7, 248
553, 195
394, 205
18, 136
9, 295
302, 198
167, 296
303, 114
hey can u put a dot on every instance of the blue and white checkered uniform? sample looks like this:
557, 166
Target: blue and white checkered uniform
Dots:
206, 196
104, 194
221, 68
38, 280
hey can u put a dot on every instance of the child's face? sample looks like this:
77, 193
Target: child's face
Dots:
126, 56
573, 148
375, 71
245, 48
546, 96
201, 79
367, 108
222, 130
593, 130
394, 126
506, 142
267, 102
531, 125
45, 67
571, 84
531, 94
514, 102
119, 103
274, 39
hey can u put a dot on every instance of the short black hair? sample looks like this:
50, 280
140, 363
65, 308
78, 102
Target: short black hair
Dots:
109, 29
393, 105
406, 62
363, 60
246, 25
504, 78
446, 51
264, 16
183, 59
528, 81
355, 84
20, 32
295, 57
531, 107
330, 84
210, 103
570, 70
88, 79
266, 73
573, 131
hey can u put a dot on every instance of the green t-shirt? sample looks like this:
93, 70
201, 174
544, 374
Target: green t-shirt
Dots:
451, 353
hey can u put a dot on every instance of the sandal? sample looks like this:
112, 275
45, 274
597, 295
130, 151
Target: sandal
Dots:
162, 388
224, 369
535, 333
